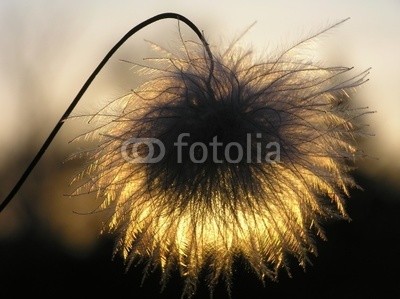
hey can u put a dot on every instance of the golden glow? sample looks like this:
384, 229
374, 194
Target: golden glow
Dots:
317, 135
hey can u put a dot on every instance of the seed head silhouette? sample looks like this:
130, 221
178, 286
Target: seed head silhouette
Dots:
217, 190
195, 211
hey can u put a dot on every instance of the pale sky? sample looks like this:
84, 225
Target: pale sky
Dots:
48, 48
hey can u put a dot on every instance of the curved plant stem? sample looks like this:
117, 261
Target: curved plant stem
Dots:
71, 107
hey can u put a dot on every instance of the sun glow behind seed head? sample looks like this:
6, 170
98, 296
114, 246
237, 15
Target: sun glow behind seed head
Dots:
202, 216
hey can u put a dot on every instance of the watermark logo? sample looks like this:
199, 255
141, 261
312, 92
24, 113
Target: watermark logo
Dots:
152, 150
142, 150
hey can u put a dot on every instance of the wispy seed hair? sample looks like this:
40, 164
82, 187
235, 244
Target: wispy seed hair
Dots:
202, 216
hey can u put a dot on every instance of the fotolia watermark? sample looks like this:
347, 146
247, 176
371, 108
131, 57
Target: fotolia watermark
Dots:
152, 150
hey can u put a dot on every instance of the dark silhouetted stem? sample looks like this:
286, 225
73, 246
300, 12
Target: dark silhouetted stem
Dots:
60, 123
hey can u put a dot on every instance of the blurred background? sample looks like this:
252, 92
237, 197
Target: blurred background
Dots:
47, 51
